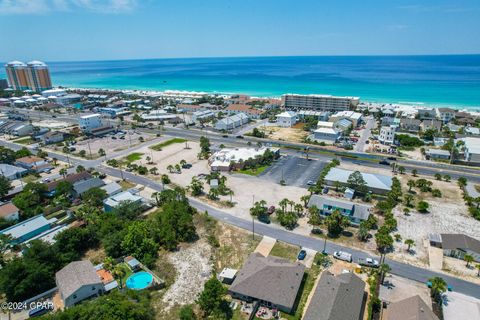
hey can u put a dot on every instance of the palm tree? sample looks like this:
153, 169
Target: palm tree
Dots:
108, 264
298, 208
119, 272
148, 159
230, 193
283, 204
178, 168
414, 172
438, 286
408, 198
410, 184
183, 162
478, 268
409, 243
383, 269
305, 200
170, 168
63, 172
102, 153
468, 259
154, 170
401, 169
447, 178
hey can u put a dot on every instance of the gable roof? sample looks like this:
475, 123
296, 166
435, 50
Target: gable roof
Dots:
270, 279
72, 178
455, 241
359, 211
29, 159
74, 276
85, 185
336, 298
413, 308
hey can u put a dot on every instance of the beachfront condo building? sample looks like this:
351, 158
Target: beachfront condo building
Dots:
33, 76
317, 102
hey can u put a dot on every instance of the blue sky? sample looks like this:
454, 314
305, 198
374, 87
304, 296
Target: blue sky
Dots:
57, 30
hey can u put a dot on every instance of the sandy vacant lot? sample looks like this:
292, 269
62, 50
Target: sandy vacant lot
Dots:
295, 134
246, 188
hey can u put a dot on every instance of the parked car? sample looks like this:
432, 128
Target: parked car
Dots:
342, 255
186, 166
239, 137
264, 218
368, 262
310, 183
302, 254
384, 162
392, 158
225, 136
271, 210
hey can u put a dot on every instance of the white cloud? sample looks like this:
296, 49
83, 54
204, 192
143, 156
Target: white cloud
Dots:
8, 7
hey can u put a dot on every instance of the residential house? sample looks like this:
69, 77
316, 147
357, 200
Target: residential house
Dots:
232, 122
114, 201
388, 113
411, 125
80, 187
456, 245
453, 127
340, 297
445, 114
12, 172
431, 124
319, 115
355, 212
438, 154
387, 135
72, 178
27, 229
199, 116
273, 282
286, 119
78, 281
376, 183
52, 137
243, 108
464, 118
354, 117
427, 114
9, 211
472, 150
34, 164
89, 122
112, 188
413, 308
343, 125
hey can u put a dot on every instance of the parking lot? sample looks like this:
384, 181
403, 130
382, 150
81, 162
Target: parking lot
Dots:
112, 142
296, 171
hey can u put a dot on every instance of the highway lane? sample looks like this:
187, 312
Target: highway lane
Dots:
275, 231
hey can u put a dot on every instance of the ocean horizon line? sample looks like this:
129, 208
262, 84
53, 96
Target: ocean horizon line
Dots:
253, 57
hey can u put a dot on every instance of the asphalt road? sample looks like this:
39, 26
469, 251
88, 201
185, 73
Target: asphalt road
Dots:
275, 231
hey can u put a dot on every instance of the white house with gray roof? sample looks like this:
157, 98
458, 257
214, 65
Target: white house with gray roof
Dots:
78, 281
355, 212
272, 281
472, 149
456, 245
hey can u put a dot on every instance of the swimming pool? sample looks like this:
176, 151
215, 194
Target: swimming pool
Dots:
139, 280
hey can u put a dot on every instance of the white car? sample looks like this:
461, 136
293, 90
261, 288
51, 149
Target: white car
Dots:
342, 255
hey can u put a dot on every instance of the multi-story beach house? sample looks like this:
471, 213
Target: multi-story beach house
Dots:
387, 135
317, 102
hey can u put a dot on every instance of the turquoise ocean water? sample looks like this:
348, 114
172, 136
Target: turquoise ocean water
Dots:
450, 80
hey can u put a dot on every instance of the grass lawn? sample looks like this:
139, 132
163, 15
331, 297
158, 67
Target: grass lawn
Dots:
159, 146
126, 184
285, 250
306, 287
30, 178
132, 157
252, 172
26, 140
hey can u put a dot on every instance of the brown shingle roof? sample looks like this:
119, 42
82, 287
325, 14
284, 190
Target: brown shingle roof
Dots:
29, 159
270, 279
413, 308
7, 209
72, 178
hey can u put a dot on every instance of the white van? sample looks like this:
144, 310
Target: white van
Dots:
342, 255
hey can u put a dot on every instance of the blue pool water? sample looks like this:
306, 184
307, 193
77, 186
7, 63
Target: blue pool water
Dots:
139, 280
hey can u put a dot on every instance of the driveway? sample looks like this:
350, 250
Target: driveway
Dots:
365, 135
309, 259
265, 246
458, 306
471, 190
